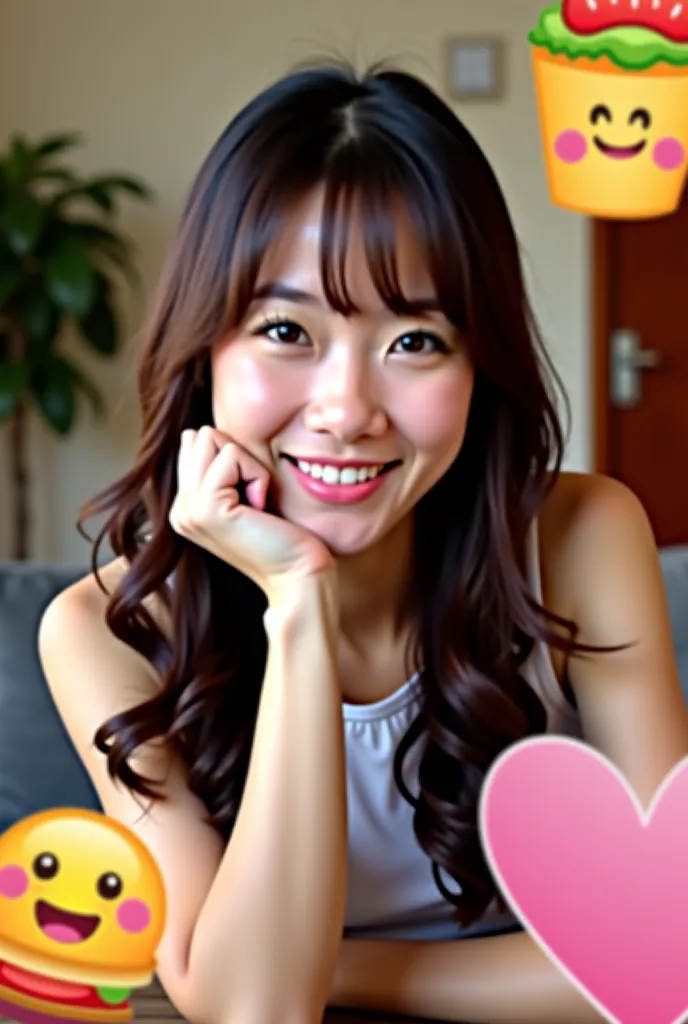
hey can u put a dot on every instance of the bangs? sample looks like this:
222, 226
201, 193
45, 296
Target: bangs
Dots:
374, 186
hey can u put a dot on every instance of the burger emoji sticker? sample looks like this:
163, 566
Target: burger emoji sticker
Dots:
611, 78
82, 910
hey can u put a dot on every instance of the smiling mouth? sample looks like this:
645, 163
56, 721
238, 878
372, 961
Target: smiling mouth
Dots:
63, 926
619, 152
386, 466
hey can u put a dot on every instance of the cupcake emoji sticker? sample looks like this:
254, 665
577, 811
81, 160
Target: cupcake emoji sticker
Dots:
611, 79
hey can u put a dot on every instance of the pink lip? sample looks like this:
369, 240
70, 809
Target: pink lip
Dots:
337, 494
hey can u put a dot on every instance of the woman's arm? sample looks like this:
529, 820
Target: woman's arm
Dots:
631, 705
503, 979
253, 929
266, 941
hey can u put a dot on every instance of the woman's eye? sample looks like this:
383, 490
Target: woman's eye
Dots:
414, 343
286, 332
283, 331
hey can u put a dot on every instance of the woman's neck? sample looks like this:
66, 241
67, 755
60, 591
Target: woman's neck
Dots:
375, 590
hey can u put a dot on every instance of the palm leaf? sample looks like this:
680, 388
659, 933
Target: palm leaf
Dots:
99, 326
24, 218
114, 247
18, 165
124, 183
99, 190
53, 387
39, 316
13, 380
63, 174
58, 143
69, 275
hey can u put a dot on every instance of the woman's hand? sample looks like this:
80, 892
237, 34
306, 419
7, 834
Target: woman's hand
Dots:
208, 510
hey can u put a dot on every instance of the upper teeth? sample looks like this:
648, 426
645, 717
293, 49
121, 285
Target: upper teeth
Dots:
333, 475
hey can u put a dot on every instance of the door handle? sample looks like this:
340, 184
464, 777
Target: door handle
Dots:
627, 360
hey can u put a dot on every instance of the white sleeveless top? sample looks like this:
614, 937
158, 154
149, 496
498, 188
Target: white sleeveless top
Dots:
391, 890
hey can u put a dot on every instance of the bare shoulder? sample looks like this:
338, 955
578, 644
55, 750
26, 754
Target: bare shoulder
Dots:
594, 533
87, 599
88, 669
76, 644
578, 497
601, 561
582, 510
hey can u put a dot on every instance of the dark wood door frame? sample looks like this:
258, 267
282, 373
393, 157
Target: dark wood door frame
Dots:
601, 329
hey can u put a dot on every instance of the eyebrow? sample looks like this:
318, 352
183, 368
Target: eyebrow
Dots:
280, 290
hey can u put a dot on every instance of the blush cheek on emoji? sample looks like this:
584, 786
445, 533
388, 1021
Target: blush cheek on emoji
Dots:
14, 882
571, 146
133, 916
668, 154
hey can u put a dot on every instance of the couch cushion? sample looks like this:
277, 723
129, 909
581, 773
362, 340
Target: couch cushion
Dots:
674, 562
39, 767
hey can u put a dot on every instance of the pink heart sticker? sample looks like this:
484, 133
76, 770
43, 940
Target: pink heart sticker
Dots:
600, 884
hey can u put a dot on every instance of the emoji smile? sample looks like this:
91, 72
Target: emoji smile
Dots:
63, 926
619, 152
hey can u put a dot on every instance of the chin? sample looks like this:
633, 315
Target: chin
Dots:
341, 547
342, 539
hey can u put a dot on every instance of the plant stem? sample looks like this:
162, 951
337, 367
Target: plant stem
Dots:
19, 477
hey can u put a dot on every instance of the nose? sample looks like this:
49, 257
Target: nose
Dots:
345, 398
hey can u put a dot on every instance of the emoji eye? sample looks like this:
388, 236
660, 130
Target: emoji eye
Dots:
45, 865
109, 886
641, 115
600, 111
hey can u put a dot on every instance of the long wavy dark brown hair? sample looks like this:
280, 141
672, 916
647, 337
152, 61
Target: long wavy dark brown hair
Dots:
369, 139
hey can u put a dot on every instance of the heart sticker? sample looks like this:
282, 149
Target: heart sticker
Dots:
600, 884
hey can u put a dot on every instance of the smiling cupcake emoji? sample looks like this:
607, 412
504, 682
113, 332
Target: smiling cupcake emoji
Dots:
611, 79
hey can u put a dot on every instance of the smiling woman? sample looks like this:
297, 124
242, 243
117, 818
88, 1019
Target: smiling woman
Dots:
351, 573
353, 361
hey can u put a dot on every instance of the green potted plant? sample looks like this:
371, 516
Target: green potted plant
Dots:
56, 266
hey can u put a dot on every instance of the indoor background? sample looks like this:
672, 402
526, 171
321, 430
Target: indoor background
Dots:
152, 83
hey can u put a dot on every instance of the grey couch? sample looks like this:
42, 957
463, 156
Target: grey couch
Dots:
39, 768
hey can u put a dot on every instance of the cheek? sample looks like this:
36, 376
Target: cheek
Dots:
250, 400
435, 418
570, 146
133, 916
668, 154
13, 882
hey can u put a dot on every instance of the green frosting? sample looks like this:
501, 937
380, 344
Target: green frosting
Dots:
631, 48
113, 995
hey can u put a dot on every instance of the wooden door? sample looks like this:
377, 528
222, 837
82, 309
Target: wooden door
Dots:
641, 297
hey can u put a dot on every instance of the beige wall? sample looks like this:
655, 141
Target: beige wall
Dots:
153, 82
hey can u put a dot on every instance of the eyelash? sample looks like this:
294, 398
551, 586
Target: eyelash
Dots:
270, 323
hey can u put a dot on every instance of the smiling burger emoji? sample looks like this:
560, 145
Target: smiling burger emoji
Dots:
82, 910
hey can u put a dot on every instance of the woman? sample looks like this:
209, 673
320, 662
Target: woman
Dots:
327, 618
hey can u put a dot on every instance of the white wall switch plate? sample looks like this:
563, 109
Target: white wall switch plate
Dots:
475, 68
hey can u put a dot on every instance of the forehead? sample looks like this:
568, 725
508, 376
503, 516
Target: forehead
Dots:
296, 254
